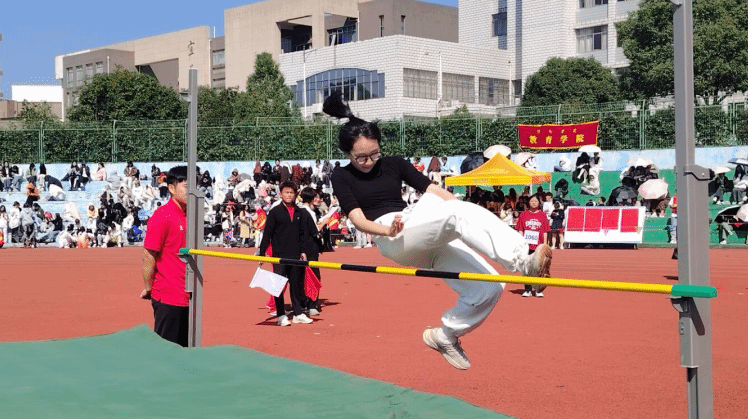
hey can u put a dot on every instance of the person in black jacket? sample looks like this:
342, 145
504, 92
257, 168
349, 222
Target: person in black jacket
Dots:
285, 231
310, 200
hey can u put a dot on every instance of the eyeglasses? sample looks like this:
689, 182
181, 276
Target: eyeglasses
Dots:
363, 159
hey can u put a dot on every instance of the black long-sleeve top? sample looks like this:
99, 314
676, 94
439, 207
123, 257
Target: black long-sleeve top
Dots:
379, 191
287, 235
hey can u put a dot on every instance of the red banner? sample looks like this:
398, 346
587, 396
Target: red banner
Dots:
557, 135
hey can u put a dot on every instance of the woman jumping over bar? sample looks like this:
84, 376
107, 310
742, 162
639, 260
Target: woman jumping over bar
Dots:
438, 232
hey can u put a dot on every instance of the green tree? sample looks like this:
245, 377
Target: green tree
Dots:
571, 80
127, 95
215, 106
33, 114
267, 94
720, 49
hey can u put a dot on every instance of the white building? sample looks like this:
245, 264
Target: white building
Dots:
500, 44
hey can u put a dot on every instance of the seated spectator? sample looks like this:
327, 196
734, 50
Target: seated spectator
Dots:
720, 185
131, 173
583, 167
564, 165
100, 173
205, 184
32, 193
5, 178
31, 173
233, 180
51, 180
42, 179
72, 175
17, 179
593, 187
739, 185
155, 172
4, 227
85, 176
47, 232
562, 188
29, 236
66, 239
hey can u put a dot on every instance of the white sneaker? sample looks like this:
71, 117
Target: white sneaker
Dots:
539, 294
283, 321
368, 245
273, 313
452, 352
527, 294
723, 242
539, 263
313, 312
302, 318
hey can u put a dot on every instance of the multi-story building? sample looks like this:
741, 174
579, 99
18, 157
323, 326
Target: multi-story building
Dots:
167, 57
389, 57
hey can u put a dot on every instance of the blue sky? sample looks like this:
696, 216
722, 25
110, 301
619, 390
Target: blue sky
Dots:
35, 32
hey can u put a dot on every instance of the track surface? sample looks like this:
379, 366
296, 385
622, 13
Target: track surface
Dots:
573, 354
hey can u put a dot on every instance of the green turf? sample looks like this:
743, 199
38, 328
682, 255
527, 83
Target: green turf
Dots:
134, 373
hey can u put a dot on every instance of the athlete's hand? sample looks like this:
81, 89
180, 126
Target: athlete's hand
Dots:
145, 294
397, 226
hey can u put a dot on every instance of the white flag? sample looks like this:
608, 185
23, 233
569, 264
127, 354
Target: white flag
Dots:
269, 281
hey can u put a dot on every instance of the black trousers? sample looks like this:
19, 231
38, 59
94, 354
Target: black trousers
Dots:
529, 287
171, 322
295, 275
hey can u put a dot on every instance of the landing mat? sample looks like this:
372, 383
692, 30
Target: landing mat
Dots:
134, 373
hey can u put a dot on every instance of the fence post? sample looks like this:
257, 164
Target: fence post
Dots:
114, 141
643, 125
41, 141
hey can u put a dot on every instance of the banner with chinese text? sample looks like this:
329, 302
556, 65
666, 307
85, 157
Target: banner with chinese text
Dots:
557, 135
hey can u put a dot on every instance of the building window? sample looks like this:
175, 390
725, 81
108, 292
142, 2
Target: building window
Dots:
499, 23
493, 92
381, 26
458, 87
344, 34
298, 39
500, 27
100, 67
420, 84
79, 75
89, 72
592, 3
354, 83
592, 39
71, 77
219, 58
402, 24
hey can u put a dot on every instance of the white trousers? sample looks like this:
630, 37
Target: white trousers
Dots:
447, 236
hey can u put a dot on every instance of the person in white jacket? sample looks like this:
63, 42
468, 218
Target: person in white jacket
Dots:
14, 223
4, 220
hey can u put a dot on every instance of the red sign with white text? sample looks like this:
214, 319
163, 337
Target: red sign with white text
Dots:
557, 135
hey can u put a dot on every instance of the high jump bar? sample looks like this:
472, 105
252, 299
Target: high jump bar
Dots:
676, 290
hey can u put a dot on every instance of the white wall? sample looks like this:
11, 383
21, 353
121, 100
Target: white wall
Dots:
36, 93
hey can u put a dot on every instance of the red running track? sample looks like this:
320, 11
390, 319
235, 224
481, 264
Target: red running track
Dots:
574, 353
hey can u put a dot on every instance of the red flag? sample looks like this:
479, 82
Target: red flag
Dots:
558, 136
311, 284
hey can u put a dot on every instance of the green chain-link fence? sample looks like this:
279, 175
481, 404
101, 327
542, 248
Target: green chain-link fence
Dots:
622, 126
